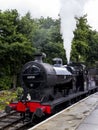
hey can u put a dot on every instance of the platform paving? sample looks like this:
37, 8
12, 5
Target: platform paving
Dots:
80, 116
90, 122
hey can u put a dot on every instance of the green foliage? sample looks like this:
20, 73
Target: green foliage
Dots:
47, 39
15, 44
53, 50
85, 43
6, 97
80, 41
5, 82
19, 92
8, 26
92, 56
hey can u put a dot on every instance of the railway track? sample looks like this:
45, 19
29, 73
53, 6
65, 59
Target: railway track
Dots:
12, 121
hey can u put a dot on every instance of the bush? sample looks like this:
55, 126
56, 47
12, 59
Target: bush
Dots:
19, 92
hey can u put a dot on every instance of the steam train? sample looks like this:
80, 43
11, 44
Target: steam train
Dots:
46, 86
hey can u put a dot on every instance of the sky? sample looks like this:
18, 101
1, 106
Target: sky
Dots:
36, 7
51, 8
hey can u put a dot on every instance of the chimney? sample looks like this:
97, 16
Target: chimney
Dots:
39, 57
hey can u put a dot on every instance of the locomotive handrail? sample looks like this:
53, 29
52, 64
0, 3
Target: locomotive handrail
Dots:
29, 74
38, 81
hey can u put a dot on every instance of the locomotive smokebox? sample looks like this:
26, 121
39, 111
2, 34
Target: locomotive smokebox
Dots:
39, 57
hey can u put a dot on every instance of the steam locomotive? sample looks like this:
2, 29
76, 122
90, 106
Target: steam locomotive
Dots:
46, 86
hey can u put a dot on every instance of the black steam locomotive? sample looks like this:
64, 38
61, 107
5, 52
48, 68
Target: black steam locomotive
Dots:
46, 86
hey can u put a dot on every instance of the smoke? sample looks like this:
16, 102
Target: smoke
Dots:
69, 10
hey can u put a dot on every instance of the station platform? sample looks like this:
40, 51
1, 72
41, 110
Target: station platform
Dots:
83, 115
90, 122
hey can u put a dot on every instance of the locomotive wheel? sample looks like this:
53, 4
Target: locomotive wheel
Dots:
39, 113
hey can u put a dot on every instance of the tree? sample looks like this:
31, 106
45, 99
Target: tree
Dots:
80, 42
85, 43
8, 26
17, 55
27, 26
92, 54
15, 44
53, 50
48, 39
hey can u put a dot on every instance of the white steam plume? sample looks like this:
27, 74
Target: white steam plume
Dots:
69, 10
